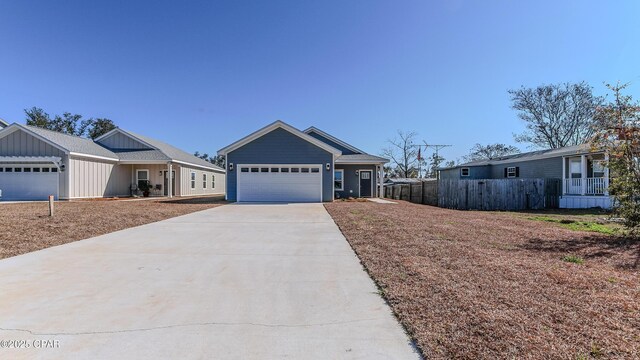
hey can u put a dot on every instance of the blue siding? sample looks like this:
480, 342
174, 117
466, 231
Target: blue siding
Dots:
280, 147
352, 181
344, 150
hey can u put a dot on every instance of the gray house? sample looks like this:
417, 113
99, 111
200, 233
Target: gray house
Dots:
585, 179
281, 163
36, 163
3, 124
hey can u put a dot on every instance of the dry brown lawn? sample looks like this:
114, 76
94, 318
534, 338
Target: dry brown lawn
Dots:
26, 227
469, 284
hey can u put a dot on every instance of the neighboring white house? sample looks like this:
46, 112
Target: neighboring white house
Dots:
36, 163
3, 124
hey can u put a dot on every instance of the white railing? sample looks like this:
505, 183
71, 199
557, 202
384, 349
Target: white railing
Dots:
593, 186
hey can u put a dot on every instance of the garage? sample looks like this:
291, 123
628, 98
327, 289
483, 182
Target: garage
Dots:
20, 182
279, 183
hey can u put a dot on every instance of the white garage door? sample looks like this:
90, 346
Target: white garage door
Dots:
28, 182
280, 183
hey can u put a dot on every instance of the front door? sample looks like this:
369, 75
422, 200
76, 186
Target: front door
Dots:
575, 177
366, 182
166, 183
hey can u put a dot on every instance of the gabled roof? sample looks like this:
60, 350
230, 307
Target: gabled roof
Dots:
334, 139
68, 143
278, 125
76, 145
529, 156
163, 151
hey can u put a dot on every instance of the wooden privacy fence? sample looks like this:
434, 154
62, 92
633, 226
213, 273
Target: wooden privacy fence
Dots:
492, 194
499, 194
425, 192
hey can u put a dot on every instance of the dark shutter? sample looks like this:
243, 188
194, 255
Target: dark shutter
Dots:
517, 171
505, 172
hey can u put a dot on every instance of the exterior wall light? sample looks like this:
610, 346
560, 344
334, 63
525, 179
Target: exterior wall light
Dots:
357, 172
328, 166
230, 166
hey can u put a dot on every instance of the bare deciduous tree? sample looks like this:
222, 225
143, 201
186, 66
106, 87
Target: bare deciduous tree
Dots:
556, 115
490, 151
402, 151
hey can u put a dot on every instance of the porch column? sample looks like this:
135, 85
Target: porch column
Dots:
380, 179
169, 179
606, 174
564, 174
583, 161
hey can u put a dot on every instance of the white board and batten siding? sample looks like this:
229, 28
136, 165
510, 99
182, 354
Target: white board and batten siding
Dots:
184, 182
20, 143
95, 178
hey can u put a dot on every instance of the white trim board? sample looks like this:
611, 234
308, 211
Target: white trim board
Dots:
278, 125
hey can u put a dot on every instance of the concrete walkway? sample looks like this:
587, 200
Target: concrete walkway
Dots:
233, 282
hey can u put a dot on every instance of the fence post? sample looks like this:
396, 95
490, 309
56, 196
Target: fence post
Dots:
50, 205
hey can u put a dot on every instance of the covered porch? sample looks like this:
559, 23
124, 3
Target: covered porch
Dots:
585, 181
352, 180
157, 176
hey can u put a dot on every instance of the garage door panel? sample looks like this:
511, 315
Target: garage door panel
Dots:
28, 186
279, 186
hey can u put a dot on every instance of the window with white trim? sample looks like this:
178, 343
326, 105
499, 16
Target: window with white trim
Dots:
338, 179
193, 180
142, 176
511, 172
598, 168
213, 181
204, 181
464, 172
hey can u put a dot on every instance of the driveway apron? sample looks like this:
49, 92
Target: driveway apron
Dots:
241, 281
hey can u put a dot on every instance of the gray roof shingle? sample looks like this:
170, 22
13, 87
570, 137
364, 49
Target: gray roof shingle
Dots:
142, 155
528, 156
73, 143
360, 157
77, 144
173, 152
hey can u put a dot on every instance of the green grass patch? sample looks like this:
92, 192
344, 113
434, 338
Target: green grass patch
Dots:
578, 225
573, 259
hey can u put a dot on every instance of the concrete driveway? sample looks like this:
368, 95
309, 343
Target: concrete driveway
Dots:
233, 282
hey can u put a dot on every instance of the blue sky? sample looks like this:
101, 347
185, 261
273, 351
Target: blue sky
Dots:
200, 75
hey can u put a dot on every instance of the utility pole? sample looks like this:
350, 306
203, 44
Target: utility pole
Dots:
436, 148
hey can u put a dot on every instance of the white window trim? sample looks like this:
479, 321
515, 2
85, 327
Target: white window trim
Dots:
341, 181
462, 171
193, 180
509, 168
138, 178
204, 180
213, 181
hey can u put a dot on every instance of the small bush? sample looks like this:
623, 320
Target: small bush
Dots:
573, 259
